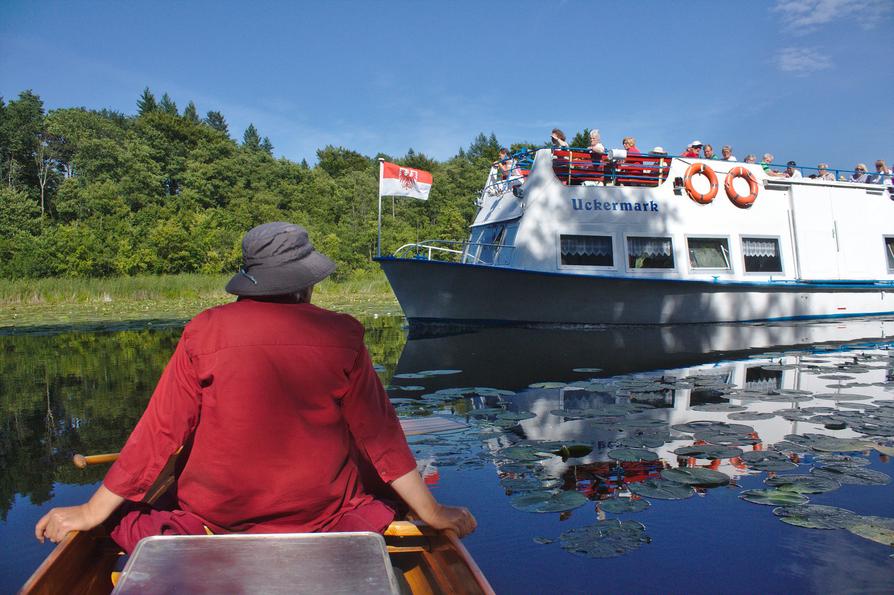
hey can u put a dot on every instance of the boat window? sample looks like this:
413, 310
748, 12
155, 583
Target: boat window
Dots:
761, 255
709, 253
594, 251
474, 244
650, 253
504, 252
889, 251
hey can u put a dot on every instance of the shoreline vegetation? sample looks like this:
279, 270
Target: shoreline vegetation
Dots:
28, 305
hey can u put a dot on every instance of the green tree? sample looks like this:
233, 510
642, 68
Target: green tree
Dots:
217, 122
167, 105
337, 161
484, 147
267, 146
146, 103
191, 113
251, 140
581, 139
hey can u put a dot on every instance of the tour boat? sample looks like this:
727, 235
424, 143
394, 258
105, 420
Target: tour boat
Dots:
576, 238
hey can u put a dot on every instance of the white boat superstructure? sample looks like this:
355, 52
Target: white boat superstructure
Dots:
654, 239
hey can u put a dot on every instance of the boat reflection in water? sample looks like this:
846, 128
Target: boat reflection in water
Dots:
607, 412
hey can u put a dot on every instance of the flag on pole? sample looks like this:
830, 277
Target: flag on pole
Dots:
396, 180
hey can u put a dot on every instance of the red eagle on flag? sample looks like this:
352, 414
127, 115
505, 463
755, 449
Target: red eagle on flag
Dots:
397, 180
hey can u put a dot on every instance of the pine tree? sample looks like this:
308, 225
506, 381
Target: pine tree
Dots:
146, 103
167, 105
217, 121
251, 139
267, 146
191, 113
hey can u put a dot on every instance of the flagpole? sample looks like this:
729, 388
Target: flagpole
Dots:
379, 234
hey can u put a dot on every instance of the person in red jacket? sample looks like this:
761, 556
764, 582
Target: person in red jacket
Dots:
285, 424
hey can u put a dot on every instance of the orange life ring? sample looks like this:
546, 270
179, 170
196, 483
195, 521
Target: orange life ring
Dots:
705, 170
743, 202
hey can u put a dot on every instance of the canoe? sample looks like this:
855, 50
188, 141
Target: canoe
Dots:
429, 561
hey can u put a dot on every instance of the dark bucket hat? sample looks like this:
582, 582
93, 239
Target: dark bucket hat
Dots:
278, 258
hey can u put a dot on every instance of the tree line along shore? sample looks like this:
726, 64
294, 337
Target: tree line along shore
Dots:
97, 193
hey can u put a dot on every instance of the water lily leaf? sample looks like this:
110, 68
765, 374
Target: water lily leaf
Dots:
570, 451
544, 540
875, 528
515, 415
548, 501
750, 416
842, 460
773, 497
842, 397
803, 484
587, 370
661, 489
632, 455
817, 516
709, 451
439, 372
853, 475
768, 460
409, 375
548, 385
622, 505
605, 539
718, 407
696, 476
520, 453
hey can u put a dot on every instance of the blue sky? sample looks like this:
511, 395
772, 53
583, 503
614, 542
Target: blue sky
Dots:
808, 80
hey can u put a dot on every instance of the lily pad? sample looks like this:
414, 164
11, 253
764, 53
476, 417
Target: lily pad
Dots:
842, 397
853, 475
773, 497
587, 370
548, 385
544, 540
632, 455
875, 528
750, 416
622, 505
696, 476
817, 516
605, 539
718, 407
803, 484
661, 489
548, 501
768, 460
709, 451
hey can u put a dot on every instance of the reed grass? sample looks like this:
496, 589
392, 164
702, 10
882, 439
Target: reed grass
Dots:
61, 301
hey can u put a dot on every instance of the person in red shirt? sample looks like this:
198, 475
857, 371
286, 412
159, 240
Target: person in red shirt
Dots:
284, 423
692, 151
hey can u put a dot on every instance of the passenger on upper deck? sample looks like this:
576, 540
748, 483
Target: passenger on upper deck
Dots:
504, 164
727, 153
882, 173
630, 145
750, 158
557, 137
596, 146
859, 174
823, 172
709, 152
791, 170
692, 150
766, 162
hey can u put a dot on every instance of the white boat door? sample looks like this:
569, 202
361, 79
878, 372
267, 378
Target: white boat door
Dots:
816, 244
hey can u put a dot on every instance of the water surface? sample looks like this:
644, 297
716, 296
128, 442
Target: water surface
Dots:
524, 394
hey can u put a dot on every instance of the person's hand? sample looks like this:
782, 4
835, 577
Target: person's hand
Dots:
453, 518
56, 524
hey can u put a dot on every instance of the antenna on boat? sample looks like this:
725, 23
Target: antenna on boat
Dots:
379, 232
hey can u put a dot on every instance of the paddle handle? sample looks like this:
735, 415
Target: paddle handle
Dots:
81, 461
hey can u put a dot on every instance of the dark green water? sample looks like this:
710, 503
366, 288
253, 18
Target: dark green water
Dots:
605, 390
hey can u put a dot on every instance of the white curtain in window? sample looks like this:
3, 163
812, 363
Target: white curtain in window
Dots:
638, 247
587, 245
759, 247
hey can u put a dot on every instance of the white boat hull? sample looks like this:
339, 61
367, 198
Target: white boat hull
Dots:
434, 291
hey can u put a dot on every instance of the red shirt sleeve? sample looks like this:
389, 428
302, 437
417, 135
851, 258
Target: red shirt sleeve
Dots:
169, 419
373, 422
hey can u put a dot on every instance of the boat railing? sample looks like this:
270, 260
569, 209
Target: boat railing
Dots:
576, 166
457, 251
